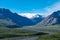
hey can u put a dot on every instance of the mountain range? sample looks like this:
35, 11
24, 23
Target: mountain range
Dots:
9, 19
13, 20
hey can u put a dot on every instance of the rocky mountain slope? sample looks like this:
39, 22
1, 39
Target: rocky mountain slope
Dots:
52, 19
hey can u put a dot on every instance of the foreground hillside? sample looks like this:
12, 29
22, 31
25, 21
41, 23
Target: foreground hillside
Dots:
31, 33
46, 29
18, 34
50, 37
6, 32
36, 33
52, 30
40, 37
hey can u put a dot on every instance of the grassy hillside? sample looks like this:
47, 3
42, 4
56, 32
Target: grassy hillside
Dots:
4, 22
21, 32
54, 31
50, 28
15, 32
50, 37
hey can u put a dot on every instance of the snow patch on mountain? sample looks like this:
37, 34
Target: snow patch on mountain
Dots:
30, 15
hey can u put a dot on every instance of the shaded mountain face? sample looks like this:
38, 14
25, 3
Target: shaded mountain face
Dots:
37, 18
52, 19
9, 18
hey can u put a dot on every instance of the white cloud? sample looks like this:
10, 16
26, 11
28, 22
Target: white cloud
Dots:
52, 8
48, 10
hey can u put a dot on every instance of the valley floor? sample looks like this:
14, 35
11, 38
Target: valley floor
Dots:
31, 33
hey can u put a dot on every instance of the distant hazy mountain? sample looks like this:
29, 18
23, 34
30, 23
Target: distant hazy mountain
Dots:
7, 18
52, 19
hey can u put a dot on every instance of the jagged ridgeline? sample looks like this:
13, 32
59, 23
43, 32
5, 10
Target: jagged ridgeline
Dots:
9, 19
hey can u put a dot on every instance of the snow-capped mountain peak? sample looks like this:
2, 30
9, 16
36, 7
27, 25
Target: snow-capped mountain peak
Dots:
29, 15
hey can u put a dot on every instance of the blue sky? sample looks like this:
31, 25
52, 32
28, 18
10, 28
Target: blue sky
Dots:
28, 6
